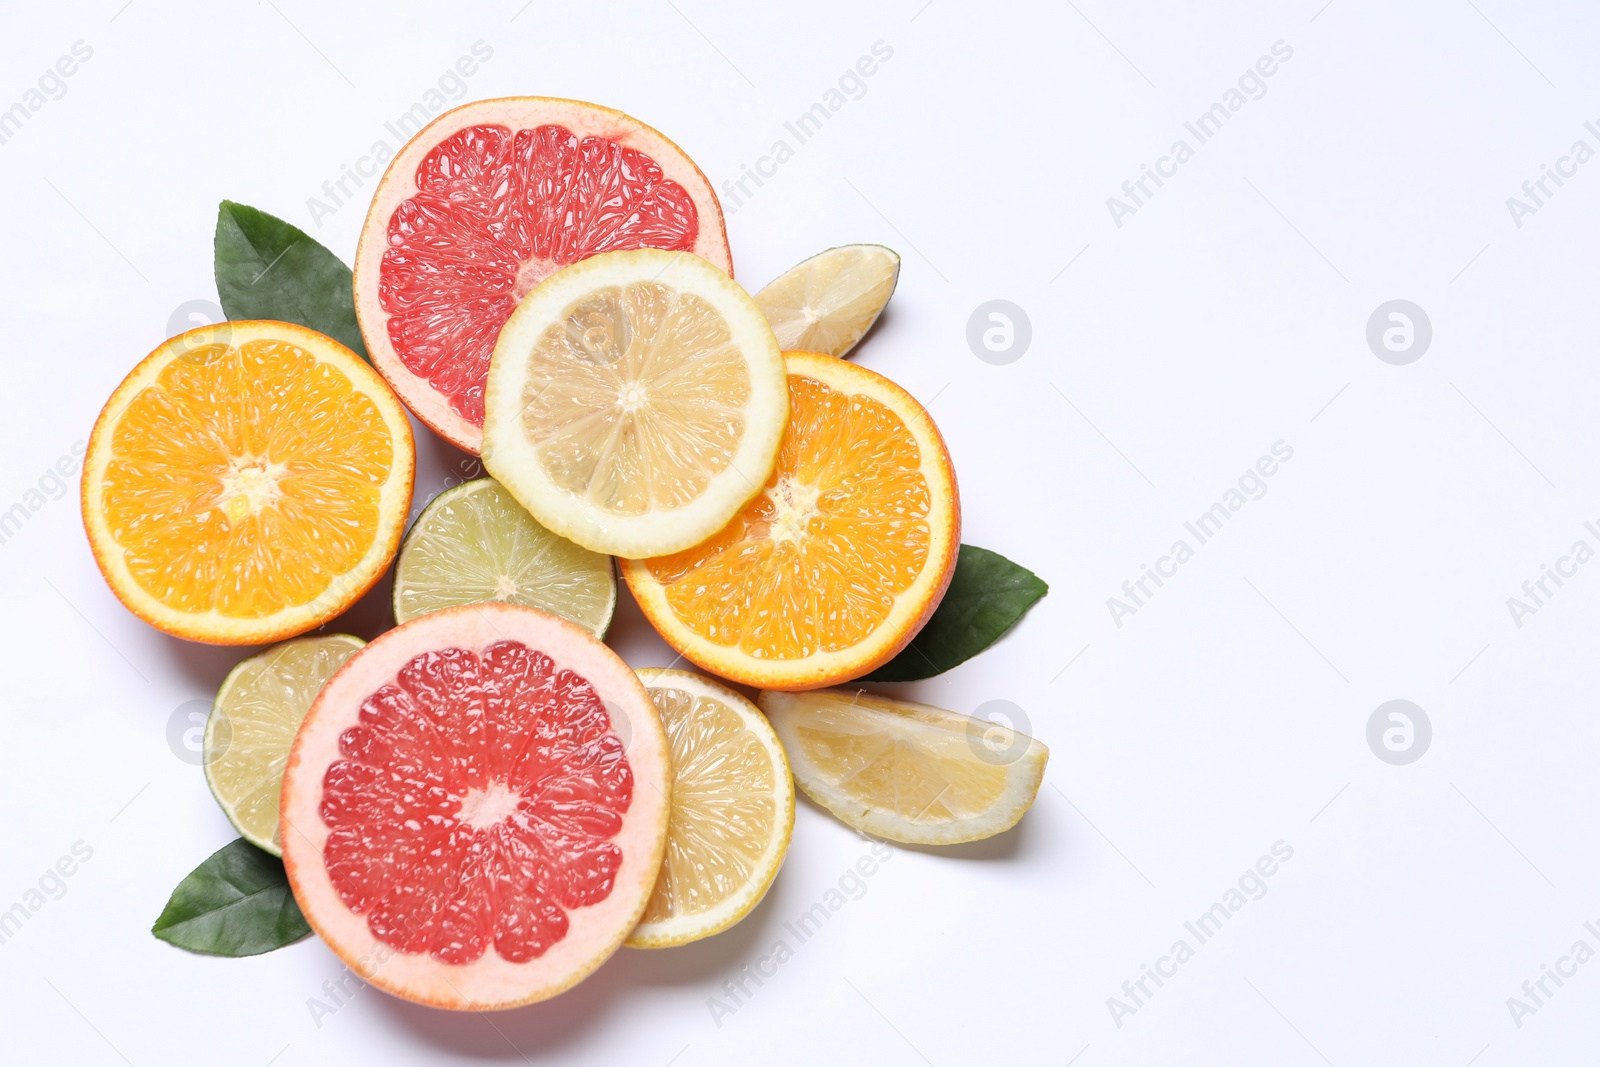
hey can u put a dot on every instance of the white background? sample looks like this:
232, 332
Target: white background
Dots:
1225, 315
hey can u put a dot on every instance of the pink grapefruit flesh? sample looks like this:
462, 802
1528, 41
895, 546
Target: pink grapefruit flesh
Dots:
475, 807
483, 204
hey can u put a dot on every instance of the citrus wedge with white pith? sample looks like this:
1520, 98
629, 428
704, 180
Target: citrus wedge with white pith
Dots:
732, 810
829, 302
907, 772
635, 402
474, 544
253, 723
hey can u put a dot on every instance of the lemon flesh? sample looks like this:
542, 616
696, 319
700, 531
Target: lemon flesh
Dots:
829, 302
903, 771
732, 811
635, 402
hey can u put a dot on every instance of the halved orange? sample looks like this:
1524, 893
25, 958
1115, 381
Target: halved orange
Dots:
837, 563
247, 482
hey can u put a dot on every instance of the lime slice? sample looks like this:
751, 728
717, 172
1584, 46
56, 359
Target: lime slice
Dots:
475, 544
732, 810
830, 301
253, 722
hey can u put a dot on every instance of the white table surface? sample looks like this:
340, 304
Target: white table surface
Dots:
1228, 713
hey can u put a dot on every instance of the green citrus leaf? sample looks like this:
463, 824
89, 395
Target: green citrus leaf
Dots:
269, 269
236, 903
987, 595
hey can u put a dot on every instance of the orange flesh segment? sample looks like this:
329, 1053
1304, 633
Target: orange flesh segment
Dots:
245, 480
816, 561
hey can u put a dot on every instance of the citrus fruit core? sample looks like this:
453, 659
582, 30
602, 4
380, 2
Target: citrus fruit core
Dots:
474, 804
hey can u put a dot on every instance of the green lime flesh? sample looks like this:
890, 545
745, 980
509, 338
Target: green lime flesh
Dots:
474, 544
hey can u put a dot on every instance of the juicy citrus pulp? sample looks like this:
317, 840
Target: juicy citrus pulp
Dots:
253, 722
483, 204
839, 560
906, 772
475, 807
830, 301
636, 402
246, 482
732, 810
474, 544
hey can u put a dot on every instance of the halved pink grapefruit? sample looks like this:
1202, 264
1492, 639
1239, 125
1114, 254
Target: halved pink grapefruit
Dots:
475, 808
483, 204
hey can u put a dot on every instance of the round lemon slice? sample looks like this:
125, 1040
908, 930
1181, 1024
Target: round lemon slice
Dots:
907, 772
253, 722
635, 402
474, 544
829, 302
732, 810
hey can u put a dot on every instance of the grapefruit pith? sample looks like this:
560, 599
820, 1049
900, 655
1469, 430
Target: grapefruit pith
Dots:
483, 204
475, 808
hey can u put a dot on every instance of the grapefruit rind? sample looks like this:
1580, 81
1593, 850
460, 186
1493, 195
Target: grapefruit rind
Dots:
595, 931
681, 930
945, 743
912, 607
213, 627
399, 183
515, 463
